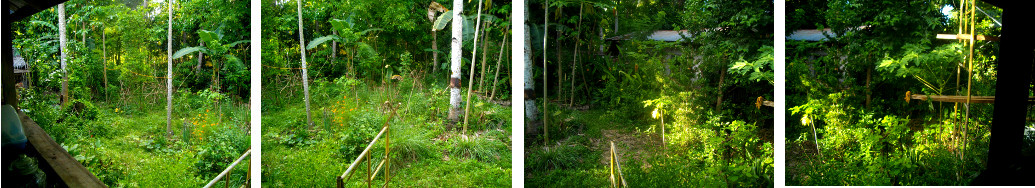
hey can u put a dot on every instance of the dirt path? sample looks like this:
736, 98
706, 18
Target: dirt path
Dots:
630, 146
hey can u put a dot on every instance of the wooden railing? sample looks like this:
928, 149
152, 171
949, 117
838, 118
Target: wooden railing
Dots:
617, 179
365, 156
226, 172
68, 169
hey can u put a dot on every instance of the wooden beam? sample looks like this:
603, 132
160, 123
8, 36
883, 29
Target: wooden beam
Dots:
957, 98
68, 169
966, 36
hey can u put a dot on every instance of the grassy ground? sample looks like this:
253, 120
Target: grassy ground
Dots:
577, 154
425, 152
128, 148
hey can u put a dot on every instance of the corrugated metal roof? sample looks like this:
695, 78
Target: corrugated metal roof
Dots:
811, 35
19, 61
659, 35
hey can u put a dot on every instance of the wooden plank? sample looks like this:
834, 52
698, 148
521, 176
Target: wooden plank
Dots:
966, 36
68, 169
960, 99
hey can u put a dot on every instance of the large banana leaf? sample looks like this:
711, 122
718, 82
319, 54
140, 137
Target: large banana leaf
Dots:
188, 50
320, 40
442, 21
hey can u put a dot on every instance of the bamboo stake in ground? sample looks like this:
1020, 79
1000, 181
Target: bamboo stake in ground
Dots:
546, 100
474, 56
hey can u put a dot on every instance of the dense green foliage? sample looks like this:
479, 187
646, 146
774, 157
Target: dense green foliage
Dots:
366, 59
848, 90
703, 87
118, 130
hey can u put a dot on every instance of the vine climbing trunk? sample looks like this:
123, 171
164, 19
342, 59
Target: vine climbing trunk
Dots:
305, 72
455, 53
168, 76
474, 55
63, 42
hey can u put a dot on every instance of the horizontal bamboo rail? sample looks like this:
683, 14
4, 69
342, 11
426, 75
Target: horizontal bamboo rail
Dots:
616, 168
384, 164
967, 37
226, 172
955, 98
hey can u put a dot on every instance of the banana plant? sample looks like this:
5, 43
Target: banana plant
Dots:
348, 35
214, 46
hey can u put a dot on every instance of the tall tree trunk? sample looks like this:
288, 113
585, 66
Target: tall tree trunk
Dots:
434, 55
168, 77
305, 72
546, 100
722, 78
474, 56
334, 47
455, 57
560, 66
578, 35
104, 60
499, 60
485, 51
63, 41
201, 59
868, 74
531, 111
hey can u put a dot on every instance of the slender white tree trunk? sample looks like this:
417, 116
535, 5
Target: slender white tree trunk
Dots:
455, 56
63, 41
168, 78
531, 112
305, 72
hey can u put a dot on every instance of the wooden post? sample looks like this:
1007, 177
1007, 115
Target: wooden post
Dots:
10, 96
1012, 86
